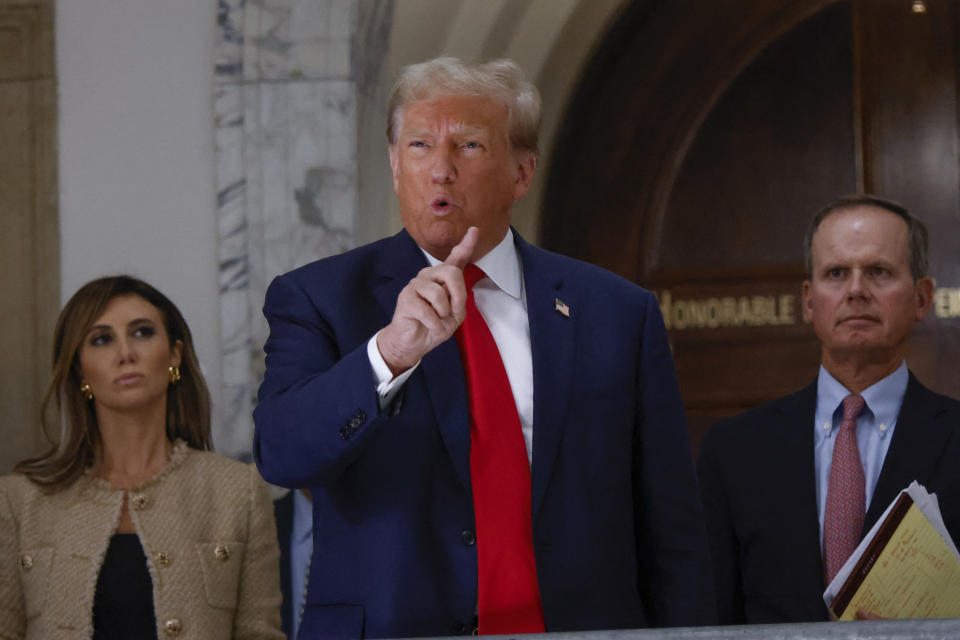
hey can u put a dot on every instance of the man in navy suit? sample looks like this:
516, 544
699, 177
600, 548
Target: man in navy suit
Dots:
766, 475
365, 401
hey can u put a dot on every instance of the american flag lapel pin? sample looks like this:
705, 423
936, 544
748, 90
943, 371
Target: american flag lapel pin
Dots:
561, 307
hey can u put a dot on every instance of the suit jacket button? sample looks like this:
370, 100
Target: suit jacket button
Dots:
139, 502
26, 562
162, 559
468, 537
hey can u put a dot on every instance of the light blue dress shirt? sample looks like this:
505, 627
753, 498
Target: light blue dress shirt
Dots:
301, 550
874, 429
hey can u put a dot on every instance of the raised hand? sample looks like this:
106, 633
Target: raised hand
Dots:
429, 309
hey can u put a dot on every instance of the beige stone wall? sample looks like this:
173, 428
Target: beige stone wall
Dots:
29, 247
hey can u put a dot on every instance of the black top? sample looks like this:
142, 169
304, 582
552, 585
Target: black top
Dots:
123, 602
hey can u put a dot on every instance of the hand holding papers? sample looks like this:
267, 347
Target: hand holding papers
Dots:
906, 567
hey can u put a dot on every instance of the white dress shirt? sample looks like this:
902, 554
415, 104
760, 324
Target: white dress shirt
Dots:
502, 301
875, 427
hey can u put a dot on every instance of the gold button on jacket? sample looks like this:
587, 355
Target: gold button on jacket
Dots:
173, 627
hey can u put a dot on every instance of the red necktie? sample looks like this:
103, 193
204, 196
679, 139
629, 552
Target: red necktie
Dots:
846, 501
509, 596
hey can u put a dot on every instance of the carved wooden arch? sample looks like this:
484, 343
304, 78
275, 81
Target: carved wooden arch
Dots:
689, 54
630, 184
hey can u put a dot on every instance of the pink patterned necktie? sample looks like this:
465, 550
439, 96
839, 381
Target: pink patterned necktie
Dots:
846, 495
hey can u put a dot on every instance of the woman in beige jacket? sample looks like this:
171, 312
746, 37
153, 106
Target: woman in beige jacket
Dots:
129, 527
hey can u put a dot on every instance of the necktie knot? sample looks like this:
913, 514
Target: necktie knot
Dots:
853, 406
472, 274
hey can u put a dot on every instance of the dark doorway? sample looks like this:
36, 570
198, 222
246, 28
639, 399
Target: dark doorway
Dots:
704, 136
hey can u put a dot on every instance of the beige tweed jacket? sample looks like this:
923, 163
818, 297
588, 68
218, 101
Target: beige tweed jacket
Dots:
206, 526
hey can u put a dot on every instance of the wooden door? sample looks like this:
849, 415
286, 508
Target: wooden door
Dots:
704, 137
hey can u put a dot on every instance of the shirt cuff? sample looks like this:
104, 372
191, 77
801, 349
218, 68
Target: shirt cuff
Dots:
387, 386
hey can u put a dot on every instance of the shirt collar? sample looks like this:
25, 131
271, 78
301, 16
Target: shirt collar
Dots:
302, 526
501, 264
884, 398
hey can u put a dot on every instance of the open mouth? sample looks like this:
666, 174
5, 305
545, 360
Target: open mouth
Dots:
441, 204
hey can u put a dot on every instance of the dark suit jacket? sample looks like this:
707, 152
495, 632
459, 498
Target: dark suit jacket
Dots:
618, 529
759, 495
283, 514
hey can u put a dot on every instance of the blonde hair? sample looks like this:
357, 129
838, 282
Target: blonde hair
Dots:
65, 408
498, 79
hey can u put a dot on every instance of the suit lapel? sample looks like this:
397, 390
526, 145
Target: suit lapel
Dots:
441, 370
446, 386
552, 348
916, 446
795, 463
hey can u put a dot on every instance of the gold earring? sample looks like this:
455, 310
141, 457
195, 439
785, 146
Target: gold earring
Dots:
86, 391
174, 375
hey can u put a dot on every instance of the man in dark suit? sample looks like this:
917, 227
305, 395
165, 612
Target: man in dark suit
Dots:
366, 401
790, 487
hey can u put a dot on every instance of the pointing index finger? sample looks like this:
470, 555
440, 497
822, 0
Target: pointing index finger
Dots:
461, 254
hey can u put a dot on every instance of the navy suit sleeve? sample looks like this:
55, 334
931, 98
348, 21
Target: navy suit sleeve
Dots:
674, 569
724, 549
317, 406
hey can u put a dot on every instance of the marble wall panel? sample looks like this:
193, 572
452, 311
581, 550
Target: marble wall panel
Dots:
286, 142
303, 206
228, 45
299, 39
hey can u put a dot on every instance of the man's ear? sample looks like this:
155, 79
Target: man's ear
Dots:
807, 301
394, 167
924, 294
526, 167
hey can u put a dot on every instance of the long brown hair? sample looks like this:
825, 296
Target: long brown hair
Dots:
66, 410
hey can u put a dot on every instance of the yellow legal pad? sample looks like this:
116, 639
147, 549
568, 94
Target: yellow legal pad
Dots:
906, 571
